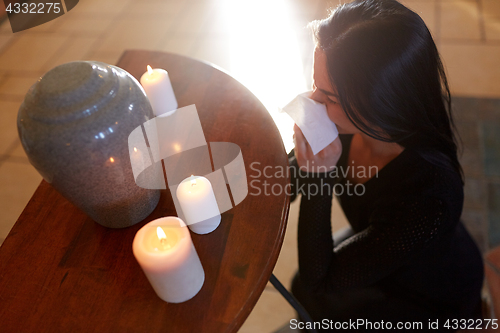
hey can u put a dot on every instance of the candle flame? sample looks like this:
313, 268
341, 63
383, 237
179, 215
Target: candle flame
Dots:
150, 70
161, 234
135, 149
193, 180
112, 160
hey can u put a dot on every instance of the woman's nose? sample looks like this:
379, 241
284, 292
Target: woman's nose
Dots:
316, 95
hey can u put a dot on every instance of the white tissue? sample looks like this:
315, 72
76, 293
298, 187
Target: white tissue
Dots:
312, 119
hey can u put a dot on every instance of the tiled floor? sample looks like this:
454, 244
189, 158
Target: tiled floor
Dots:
265, 45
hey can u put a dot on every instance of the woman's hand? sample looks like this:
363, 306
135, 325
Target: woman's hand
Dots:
324, 161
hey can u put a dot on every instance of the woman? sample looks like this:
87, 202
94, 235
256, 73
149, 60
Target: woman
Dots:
408, 258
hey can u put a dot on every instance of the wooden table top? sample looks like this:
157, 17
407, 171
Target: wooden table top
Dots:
60, 271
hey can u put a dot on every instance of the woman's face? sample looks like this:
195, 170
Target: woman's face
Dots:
323, 92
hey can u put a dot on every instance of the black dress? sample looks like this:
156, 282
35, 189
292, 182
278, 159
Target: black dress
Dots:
410, 259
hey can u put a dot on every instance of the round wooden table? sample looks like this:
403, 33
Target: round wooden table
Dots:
62, 272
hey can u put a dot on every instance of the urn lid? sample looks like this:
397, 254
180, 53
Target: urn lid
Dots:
73, 91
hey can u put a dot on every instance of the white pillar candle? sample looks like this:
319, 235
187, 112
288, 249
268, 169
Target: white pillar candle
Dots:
166, 253
158, 88
197, 200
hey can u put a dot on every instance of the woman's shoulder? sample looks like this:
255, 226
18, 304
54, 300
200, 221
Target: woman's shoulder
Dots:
424, 172
417, 178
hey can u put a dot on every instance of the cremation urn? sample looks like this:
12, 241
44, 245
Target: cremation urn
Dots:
74, 125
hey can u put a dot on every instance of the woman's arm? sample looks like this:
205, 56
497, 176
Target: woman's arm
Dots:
397, 231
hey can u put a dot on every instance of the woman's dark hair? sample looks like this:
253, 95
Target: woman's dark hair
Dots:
387, 72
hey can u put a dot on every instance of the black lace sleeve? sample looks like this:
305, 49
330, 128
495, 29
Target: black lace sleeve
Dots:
397, 230
307, 182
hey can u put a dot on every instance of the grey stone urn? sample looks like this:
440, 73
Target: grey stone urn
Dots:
74, 125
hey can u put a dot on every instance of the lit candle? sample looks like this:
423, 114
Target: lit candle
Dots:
167, 256
158, 88
197, 200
